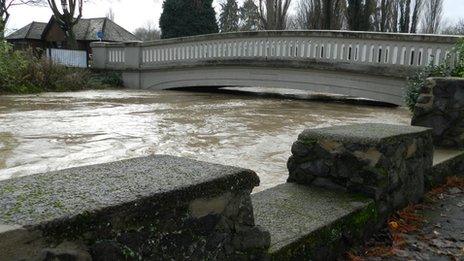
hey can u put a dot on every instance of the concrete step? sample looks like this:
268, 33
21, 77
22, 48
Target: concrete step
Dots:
311, 222
441, 156
446, 163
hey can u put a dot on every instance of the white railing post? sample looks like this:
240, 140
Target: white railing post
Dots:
99, 55
132, 56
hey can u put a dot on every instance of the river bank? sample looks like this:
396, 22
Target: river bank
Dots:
24, 72
68, 80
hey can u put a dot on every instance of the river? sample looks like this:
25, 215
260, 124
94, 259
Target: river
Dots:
51, 131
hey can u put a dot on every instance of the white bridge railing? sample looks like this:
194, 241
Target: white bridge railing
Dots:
379, 49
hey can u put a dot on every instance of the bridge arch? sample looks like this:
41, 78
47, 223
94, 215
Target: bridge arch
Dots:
359, 64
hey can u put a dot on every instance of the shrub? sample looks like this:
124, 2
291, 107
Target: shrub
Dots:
459, 70
418, 80
13, 66
23, 72
107, 79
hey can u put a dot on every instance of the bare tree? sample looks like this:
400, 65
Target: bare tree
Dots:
65, 18
273, 14
321, 14
147, 33
416, 13
5, 6
385, 16
432, 17
406, 15
292, 22
110, 14
309, 14
455, 29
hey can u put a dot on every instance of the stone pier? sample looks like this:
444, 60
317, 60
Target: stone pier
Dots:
384, 162
440, 106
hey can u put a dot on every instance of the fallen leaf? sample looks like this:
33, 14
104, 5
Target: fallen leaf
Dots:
393, 225
353, 257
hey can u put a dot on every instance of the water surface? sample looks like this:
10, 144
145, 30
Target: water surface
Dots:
52, 131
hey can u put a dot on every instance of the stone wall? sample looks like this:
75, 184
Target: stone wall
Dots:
155, 208
441, 107
384, 162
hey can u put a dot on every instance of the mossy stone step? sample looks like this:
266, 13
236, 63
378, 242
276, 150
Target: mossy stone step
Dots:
152, 208
446, 162
307, 222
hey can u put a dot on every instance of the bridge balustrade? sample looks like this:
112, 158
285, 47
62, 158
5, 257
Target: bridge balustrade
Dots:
367, 48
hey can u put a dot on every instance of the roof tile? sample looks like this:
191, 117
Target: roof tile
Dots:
85, 30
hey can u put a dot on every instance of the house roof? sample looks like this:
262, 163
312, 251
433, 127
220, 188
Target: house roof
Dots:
85, 30
31, 31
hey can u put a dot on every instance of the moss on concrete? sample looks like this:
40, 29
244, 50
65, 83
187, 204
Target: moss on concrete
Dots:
331, 240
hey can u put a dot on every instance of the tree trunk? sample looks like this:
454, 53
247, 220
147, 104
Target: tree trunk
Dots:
328, 14
66, 20
2, 29
4, 15
415, 16
71, 40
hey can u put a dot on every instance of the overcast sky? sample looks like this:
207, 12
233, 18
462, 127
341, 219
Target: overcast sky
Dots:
136, 13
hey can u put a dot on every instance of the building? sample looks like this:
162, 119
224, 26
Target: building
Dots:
49, 35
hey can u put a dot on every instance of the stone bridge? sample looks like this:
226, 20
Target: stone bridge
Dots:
359, 64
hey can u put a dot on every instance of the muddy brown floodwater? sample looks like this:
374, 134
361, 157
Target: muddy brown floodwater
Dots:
51, 131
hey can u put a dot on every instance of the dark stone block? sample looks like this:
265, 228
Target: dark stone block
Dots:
328, 184
255, 238
291, 164
316, 168
446, 113
424, 99
421, 109
441, 104
65, 255
438, 123
426, 89
107, 251
299, 149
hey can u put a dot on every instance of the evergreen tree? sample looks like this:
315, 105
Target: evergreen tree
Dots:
228, 19
187, 17
360, 14
249, 16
